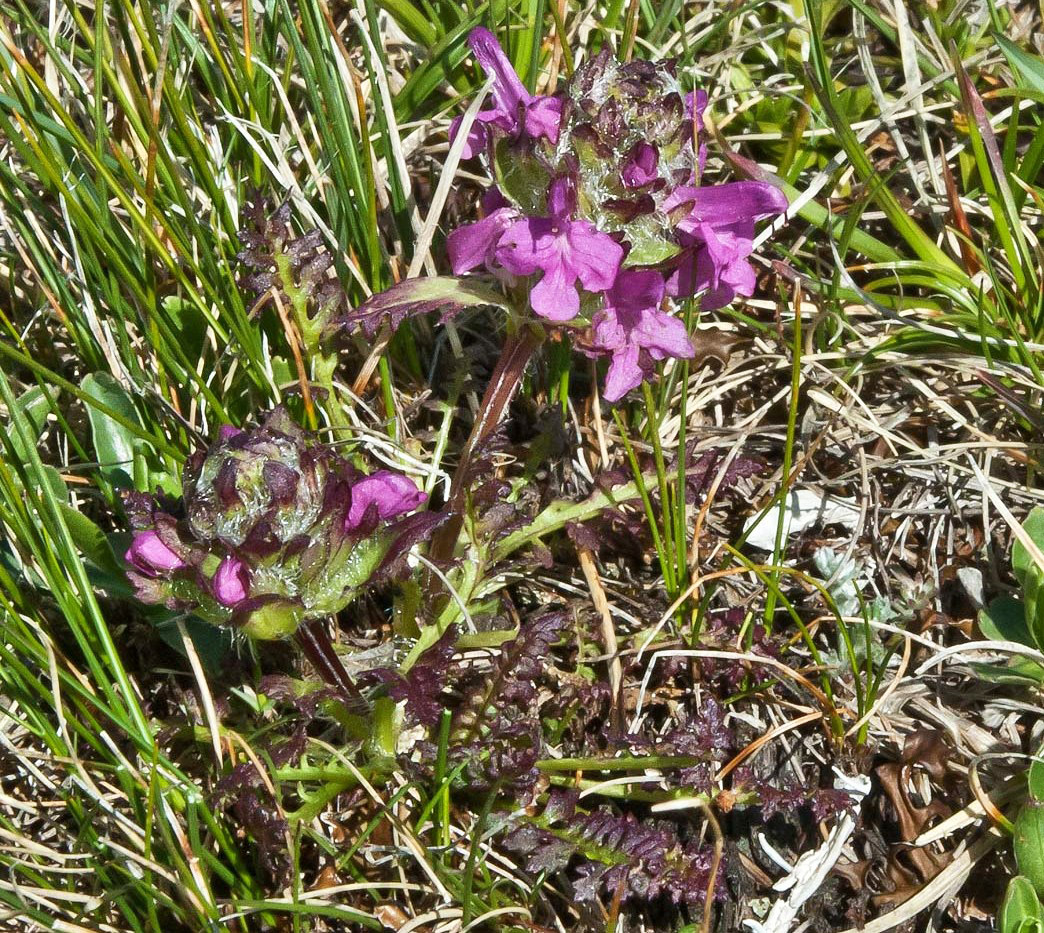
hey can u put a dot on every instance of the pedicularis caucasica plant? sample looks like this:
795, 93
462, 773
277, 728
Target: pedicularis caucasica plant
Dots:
598, 220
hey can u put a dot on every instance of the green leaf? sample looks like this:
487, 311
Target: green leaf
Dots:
1020, 912
113, 443
522, 180
211, 642
34, 405
1021, 560
1030, 68
90, 540
1020, 671
1036, 779
1029, 843
1005, 620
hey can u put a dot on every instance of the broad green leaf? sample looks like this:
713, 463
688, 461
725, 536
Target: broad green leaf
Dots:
1005, 620
1028, 842
1033, 595
1020, 907
1020, 671
90, 540
1036, 779
524, 181
34, 405
1021, 560
113, 443
210, 641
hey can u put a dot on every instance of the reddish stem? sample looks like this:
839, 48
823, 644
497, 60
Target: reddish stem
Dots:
507, 376
314, 640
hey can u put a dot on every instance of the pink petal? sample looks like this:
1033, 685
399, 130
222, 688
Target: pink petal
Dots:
544, 118
527, 245
474, 244
151, 556
641, 166
561, 199
594, 257
392, 494
624, 374
555, 296
476, 140
663, 335
636, 289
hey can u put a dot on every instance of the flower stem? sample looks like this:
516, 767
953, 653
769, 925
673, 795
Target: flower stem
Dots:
314, 641
507, 375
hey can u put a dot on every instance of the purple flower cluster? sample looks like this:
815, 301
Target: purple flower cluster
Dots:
273, 530
599, 197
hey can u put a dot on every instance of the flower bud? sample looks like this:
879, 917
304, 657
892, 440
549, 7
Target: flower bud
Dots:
150, 556
231, 582
278, 529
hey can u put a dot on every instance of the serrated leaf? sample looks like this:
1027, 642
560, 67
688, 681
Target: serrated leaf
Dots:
113, 443
443, 293
1005, 620
1020, 911
1028, 842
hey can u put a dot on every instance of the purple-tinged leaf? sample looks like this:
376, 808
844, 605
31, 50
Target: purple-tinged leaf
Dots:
442, 293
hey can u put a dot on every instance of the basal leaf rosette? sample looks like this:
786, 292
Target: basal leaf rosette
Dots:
274, 529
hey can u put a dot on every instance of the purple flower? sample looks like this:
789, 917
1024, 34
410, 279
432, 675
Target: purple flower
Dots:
564, 250
384, 494
514, 109
633, 329
150, 556
718, 233
475, 245
231, 583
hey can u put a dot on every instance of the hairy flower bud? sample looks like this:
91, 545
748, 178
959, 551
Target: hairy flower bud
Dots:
276, 529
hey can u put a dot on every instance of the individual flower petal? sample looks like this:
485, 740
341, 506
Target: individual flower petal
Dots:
595, 256
474, 245
544, 118
476, 140
555, 296
663, 335
231, 583
150, 556
391, 494
624, 374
